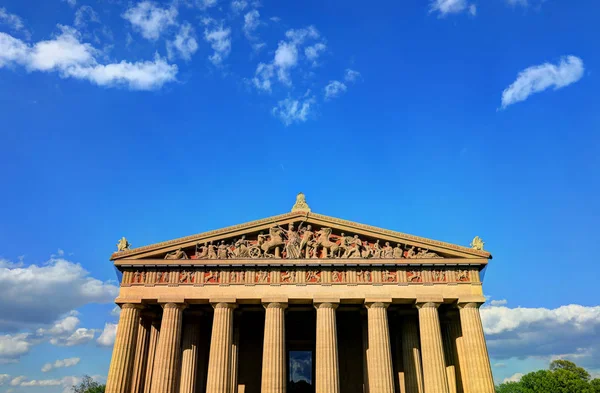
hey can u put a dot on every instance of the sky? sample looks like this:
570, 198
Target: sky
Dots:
445, 119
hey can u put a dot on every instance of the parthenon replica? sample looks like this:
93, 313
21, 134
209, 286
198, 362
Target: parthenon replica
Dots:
369, 310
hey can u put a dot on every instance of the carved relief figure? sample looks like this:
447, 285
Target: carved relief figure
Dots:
398, 252
201, 251
179, 254
366, 250
438, 275
288, 276
313, 276
462, 275
292, 247
241, 248
414, 276
388, 251
388, 276
353, 251
376, 250
337, 276
162, 277
323, 241
223, 250
237, 276
185, 277
211, 277
307, 242
212, 251
425, 253
411, 253
136, 277
262, 276
344, 242
275, 240
363, 276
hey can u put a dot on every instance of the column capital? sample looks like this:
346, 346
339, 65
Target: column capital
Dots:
275, 305
181, 306
126, 306
420, 305
224, 305
469, 305
369, 305
319, 305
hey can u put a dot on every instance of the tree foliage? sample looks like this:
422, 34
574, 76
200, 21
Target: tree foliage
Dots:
563, 376
88, 385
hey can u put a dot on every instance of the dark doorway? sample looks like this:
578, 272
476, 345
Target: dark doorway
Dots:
300, 366
301, 341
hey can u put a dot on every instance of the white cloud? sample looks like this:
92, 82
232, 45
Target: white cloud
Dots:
251, 23
78, 337
184, 44
65, 382
60, 363
286, 57
291, 110
523, 3
12, 347
275, 19
72, 3
313, 52
473, 9
219, 39
498, 302
445, 7
263, 75
40, 294
239, 5
150, 19
351, 75
71, 58
541, 77
84, 14
204, 4
516, 377
107, 338
116, 311
4, 378
64, 332
334, 89
298, 36
565, 332
13, 21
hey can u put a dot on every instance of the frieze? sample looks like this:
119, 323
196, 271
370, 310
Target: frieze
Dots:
285, 276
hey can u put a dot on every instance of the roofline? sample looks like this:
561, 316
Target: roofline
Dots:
305, 215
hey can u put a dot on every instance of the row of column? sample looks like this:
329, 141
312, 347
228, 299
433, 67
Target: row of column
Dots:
148, 361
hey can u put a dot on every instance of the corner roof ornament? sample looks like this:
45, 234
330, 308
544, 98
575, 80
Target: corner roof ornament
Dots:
300, 205
477, 243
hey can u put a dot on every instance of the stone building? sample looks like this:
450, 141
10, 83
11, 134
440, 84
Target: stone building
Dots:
300, 302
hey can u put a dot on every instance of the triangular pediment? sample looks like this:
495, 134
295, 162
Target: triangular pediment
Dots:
327, 237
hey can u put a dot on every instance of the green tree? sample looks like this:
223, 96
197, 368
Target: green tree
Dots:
88, 385
562, 376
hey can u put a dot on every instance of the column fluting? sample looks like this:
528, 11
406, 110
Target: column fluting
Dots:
411, 355
435, 379
141, 356
152, 344
274, 377
449, 354
379, 356
219, 361
167, 359
327, 362
478, 370
189, 352
121, 364
235, 349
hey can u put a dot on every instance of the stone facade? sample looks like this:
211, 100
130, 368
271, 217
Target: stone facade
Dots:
379, 311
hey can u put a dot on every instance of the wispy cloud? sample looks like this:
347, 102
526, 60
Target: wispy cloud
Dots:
108, 335
14, 22
334, 89
184, 44
239, 5
60, 363
541, 77
351, 75
295, 110
151, 20
84, 15
445, 7
71, 58
251, 23
219, 38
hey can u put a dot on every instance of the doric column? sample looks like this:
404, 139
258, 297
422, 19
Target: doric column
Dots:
379, 356
327, 363
166, 361
235, 348
219, 361
450, 352
141, 356
152, 344
478, 370
411, 355
274, 377
189, 352
432, 351
365, 352
121, 365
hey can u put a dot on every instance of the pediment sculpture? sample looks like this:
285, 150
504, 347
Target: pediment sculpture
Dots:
303, 242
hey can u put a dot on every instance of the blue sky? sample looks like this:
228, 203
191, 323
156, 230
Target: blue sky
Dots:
153, 120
